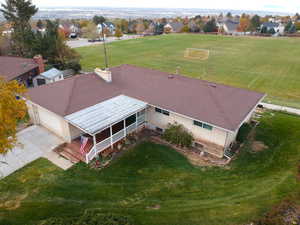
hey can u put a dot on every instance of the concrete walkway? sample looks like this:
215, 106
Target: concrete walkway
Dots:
35, 142
281, 108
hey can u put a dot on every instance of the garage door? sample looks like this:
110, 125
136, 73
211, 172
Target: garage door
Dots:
51, 122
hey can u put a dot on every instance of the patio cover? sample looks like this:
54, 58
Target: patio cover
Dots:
95, 118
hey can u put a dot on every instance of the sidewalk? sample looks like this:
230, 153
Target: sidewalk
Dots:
281, 108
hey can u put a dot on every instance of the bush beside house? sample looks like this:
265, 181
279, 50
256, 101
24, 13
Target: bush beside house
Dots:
176, 134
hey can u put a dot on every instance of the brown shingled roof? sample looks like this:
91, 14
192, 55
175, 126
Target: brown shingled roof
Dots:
217, 104
12, 67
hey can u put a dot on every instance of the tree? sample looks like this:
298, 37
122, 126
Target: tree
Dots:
98, 19
140, 28
254, 23
185, 29
12, 110
19, 13
229, 15
264, 30
124, 26
244, 24
210, 26
118, 33
159, 29
90, 31
52, 45
40, 24
290, 28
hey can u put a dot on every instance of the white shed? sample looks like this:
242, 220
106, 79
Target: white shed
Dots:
49, 76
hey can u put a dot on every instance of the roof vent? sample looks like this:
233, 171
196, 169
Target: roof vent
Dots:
170, 76
213, 85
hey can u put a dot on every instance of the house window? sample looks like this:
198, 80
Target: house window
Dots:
208, 127
158, 110
165, 112
197, 123
203, 125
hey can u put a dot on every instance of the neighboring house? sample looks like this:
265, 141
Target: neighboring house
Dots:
108, 105
174, 27
48, 77
71, 30
230, 27
23, 70
278, 27
107, 25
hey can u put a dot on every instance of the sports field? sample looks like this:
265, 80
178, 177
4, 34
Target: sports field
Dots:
270, 65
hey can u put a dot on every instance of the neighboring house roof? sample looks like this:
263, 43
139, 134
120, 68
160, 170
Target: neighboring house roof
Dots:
270, 25
52, 73
176, 26
231, 25
217, 104
12, 67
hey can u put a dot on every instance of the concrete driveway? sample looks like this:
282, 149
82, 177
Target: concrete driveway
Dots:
35, 142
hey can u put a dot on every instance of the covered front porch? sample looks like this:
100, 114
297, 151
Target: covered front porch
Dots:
109, 122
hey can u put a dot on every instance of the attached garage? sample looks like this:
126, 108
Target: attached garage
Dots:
49, 120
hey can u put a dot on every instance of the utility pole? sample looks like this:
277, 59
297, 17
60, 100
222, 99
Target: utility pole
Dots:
104, 46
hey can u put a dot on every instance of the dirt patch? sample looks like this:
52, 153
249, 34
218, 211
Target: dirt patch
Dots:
258, 146
194, 158
155, 207
15, 203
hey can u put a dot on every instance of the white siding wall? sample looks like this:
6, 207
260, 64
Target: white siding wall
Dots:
216, 135
75, 132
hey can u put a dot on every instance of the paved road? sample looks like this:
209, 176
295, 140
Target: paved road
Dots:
281, 108
36, 142
82, 42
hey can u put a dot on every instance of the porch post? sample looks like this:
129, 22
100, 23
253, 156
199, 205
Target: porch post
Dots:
111, 134
94, 140
125, 128
136, 121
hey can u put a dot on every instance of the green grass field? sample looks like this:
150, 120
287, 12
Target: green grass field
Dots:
270, 65
154, 175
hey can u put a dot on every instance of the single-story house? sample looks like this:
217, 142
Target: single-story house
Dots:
24, 70
174, 27
107, 105
47, 77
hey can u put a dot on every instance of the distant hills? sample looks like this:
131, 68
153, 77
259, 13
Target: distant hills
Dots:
89, 12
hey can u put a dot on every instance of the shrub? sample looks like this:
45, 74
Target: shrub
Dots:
176, 134
243, 132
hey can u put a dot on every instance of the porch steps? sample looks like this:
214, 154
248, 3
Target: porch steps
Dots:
70, 154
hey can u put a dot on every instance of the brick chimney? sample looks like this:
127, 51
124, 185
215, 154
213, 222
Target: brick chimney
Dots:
38, 59
104, 74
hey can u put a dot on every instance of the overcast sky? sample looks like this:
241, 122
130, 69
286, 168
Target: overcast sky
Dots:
291, 6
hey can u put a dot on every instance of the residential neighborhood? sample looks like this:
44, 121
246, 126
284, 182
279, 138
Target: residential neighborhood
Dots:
113, 119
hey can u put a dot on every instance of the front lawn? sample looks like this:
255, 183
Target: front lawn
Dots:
154, 184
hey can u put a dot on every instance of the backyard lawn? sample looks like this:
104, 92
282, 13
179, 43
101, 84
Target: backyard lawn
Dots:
269, 65
155, 185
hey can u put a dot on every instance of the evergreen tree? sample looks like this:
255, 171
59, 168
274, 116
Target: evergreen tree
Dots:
98, 19
210, 26
19, 13
255, 23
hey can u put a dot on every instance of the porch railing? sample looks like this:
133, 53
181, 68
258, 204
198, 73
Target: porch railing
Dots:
101, 146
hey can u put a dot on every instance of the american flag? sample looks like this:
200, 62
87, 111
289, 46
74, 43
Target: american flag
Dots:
84, 141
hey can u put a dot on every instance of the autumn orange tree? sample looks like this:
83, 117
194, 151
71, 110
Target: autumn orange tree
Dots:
12, 110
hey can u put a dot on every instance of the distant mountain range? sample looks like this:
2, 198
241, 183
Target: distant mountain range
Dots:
89, 12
